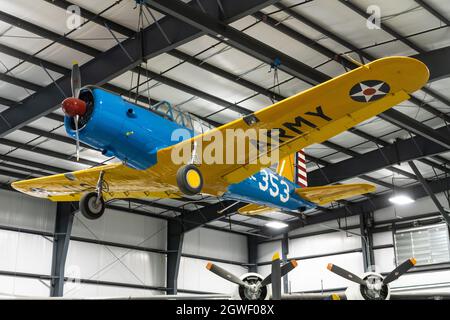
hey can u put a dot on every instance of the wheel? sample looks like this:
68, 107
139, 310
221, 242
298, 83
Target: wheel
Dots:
89, 208
189, 180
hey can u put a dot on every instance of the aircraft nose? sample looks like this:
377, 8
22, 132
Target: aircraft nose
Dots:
74, 107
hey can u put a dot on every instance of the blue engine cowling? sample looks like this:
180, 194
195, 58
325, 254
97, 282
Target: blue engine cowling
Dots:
122, 129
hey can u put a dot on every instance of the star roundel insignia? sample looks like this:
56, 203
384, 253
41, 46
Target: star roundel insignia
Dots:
370, 90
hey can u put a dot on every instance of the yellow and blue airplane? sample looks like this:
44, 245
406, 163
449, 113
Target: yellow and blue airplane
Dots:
142, 139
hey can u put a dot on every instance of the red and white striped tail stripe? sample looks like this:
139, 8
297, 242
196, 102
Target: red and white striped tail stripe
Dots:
301, 177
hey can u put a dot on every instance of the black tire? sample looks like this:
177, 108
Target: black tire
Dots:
182, 181
88, 208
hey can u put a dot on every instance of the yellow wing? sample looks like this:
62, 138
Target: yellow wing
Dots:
120, 182
254, 209
326, 194
309, 117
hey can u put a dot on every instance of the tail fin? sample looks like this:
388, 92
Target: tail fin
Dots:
293, 167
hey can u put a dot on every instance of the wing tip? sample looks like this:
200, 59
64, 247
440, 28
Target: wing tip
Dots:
414, 69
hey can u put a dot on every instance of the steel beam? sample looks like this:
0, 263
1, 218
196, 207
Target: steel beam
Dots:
7, 102
393, 116
303, 39
33, 164
175, 237
365, 245
107, 65
32, 59
381, 143
433, 11
226, 75
408, 123
200, 217
384, 26
198, 93
19, 82
56, 68
401, 151
430, 192
194, 18
367, 206
13, 174
437, 63
239, 40
47, 34
61, 240
50, 153
436, 59
284, 257
88, 15
252, 253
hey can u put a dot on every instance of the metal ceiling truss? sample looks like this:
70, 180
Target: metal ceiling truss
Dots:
108, 65
263, 52
368, 206
394, 154
433, 59
433, 11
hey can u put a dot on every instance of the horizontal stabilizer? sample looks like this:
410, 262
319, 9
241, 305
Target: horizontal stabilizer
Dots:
327, 194
254, 209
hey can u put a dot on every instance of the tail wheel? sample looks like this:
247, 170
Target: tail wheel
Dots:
189, 180
92, 207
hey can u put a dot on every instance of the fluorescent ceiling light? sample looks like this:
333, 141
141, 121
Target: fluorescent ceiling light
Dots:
401, 199
276, 225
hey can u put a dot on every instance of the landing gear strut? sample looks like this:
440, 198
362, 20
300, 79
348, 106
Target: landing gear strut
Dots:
92, 205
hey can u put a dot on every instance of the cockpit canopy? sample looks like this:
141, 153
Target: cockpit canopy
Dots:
182, 118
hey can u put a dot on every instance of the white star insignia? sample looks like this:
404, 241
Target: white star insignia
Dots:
369, 92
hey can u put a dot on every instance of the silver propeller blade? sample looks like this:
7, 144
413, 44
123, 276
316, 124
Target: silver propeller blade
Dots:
76, 80
225, 274
288, 267
345, 274
77, 138
400, 270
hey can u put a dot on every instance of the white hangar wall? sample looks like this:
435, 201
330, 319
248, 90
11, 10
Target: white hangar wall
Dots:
26, 247
23, 252
114, 264
26, 228
314, 252
219, 247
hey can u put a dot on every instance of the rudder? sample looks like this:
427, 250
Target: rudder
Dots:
293, 167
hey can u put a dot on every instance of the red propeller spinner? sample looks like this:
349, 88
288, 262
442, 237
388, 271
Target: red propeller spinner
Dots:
74, 107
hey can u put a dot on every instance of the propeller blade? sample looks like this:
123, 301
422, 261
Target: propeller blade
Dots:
225, 274
288, 267
276, 277
400, 270
77, 138
336, 296
76, 80
345, 274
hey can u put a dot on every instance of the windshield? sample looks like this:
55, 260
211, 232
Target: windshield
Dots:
182, 118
